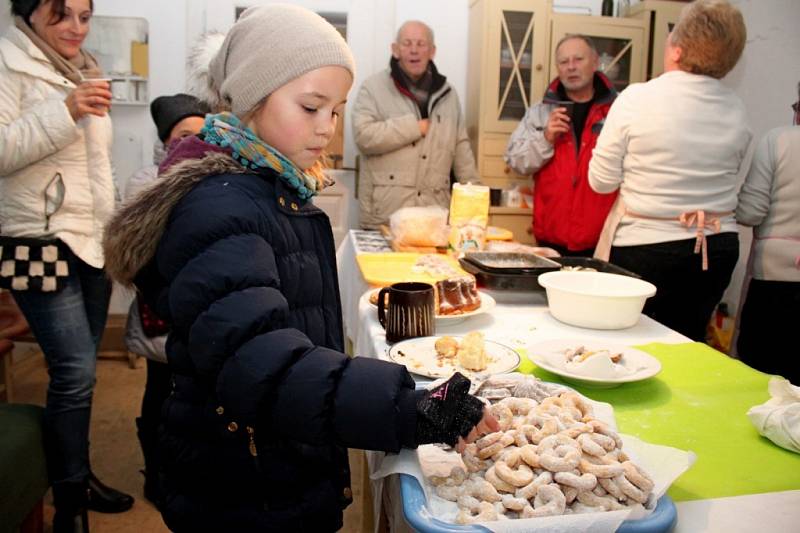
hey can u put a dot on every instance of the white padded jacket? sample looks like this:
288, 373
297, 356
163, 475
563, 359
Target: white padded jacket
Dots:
55, 173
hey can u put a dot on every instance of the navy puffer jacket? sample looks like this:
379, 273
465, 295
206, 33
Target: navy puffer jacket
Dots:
265, 403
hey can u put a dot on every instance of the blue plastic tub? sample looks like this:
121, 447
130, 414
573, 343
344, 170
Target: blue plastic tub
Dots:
661, 520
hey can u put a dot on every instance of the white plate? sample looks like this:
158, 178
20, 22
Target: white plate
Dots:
635, 365
419, 357
487, 304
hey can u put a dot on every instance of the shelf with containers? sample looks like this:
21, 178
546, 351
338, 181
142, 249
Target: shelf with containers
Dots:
120, 45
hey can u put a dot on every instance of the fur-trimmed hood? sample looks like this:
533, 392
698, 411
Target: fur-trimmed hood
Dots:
134, 231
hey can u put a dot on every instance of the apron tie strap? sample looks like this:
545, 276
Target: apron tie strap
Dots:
701, 219
698, 218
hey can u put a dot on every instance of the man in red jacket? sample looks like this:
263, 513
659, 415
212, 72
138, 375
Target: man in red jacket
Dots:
554, 142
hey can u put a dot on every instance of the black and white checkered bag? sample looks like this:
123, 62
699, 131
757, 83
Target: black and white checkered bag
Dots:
32, 264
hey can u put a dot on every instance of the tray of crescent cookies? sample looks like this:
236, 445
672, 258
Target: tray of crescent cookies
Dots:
556, 464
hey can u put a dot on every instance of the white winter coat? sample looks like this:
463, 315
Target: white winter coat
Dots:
55, 174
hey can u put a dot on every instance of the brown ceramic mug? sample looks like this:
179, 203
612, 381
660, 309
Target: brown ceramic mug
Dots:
409, 312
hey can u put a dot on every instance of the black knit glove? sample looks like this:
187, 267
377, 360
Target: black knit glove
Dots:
448, 412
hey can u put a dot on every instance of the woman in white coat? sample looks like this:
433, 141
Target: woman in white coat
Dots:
56, 193
673, 147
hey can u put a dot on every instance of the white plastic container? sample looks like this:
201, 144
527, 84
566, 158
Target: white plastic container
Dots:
596, 300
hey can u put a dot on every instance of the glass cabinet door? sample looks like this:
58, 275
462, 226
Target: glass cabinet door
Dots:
517, 38
661, 18
616, 59
619, 43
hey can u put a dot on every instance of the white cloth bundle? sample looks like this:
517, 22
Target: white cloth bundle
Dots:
779, 418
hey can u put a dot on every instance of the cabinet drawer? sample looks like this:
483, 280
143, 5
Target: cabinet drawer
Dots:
495, 167
495, 145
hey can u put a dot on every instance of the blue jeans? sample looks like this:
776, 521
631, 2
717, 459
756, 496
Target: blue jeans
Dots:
68, 325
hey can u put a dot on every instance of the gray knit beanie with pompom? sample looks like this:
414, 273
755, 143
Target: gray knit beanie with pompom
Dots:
270, 46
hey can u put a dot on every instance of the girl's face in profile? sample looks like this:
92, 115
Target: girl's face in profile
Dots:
299, 118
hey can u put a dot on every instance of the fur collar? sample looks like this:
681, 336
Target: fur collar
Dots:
135, 229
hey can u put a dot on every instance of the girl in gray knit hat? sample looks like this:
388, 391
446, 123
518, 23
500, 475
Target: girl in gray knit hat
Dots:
231, 251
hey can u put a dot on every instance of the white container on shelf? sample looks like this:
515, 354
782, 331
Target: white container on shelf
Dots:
595, 300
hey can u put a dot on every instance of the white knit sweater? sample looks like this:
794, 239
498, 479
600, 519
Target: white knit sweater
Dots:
671, 145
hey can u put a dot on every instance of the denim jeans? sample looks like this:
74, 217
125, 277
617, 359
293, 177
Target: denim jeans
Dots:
68, 325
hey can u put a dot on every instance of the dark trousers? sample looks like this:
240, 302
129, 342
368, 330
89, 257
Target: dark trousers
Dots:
686, 295
768, 328
68, 325
156, 391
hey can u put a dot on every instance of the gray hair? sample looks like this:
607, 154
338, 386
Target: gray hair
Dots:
585, 38
428, 29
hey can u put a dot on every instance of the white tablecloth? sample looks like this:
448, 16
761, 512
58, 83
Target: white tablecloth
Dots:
521, 325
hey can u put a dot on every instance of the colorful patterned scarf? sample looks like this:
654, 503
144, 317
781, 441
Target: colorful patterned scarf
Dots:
227, 131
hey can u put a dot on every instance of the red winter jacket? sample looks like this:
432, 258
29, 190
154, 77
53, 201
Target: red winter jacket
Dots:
566, 211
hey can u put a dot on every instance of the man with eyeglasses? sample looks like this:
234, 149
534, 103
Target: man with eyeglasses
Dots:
408, 126
770, 202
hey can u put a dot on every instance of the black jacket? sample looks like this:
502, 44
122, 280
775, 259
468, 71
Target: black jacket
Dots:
265, 403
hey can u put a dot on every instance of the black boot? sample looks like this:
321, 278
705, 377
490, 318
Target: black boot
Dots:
70, 500
104, 499
148, 441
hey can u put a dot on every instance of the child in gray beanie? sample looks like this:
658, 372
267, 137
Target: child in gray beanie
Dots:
232, 253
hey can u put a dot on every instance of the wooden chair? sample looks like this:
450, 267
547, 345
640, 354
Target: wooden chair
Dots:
13, 327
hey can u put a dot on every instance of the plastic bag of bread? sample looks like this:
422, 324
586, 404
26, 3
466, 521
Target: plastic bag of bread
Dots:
419, 226
469, 217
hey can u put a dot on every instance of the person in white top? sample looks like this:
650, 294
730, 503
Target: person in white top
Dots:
673, 147
56, 193
770, 202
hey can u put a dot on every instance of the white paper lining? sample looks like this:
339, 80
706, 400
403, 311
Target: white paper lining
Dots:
663, 463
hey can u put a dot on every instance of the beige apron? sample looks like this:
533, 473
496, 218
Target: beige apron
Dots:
701, 219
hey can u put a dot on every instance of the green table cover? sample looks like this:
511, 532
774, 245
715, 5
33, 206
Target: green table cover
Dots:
699, 402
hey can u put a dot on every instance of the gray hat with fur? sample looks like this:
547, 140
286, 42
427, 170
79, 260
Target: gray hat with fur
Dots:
268, 47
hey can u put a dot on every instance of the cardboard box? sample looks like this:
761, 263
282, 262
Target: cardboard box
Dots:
139, 59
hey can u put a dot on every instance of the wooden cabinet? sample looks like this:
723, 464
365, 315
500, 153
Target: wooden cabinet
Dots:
659, 17
515, 219
508, 54
511, 44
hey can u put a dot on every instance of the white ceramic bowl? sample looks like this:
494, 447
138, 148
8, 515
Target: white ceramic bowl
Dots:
595, 299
